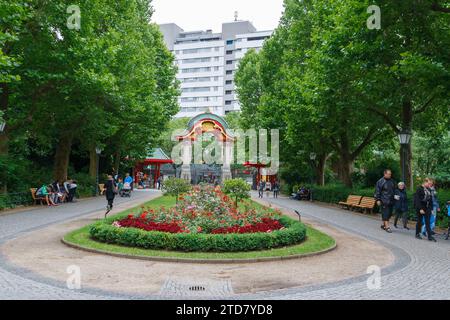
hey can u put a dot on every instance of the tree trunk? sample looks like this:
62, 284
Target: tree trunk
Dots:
62, 158
320, 169
407, 119
92, 162
345, 167
116, 162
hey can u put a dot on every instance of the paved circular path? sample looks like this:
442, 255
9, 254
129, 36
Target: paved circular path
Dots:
421, 270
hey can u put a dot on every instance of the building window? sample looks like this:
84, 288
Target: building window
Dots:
229, 82
194, 70
230, 52
228, 103
229, 61
230, 42
196, 60
198, 89
229, 92
229, 71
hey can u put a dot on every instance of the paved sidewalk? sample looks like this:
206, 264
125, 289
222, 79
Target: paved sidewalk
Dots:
18, 284
421, 270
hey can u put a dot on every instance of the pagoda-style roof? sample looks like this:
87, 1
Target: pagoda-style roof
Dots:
207, 122
157, 155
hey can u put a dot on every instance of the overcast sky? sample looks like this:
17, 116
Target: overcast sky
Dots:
194, 15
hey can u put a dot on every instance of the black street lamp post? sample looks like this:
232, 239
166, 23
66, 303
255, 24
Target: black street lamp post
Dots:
405, 138
98, 151
312, 157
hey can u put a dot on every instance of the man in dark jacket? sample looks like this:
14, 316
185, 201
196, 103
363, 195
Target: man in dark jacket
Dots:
384, 194
423, 204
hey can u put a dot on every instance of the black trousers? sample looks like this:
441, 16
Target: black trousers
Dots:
427, 217
261, 193
71, 194
401, 214
110, 201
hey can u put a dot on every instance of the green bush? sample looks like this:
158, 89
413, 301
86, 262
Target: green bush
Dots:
237, 189
175, 186
86, 184
294, 233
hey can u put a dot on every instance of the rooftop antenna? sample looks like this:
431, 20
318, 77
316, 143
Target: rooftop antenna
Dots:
236, 15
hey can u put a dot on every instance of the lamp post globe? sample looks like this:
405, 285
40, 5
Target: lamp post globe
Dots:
405, 137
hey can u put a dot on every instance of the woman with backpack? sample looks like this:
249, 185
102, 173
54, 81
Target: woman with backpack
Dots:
423, 204
110, 192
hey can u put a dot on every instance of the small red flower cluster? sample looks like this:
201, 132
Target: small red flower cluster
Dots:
267, 225
144, 224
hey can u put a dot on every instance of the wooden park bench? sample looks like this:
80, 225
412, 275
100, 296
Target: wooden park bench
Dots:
367, 204
352, 201
36, 199
101, 188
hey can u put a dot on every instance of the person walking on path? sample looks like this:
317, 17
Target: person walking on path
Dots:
424, 205
110, 192
261, 188
434, 211
401, 205
384, 194
276, 189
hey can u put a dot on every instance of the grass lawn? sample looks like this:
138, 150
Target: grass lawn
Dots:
316, 241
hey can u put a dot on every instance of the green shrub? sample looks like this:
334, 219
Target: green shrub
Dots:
238, 189
294, 233
86, 184
175, 187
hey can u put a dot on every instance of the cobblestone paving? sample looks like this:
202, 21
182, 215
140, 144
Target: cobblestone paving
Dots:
20, 284
421, 269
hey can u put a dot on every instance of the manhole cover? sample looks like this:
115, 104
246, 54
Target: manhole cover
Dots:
189, 287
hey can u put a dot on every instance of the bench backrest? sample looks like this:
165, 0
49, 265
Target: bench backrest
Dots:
368, 202
33, 193
352, 199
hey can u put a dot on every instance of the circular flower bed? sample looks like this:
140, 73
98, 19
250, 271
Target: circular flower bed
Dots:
204, 220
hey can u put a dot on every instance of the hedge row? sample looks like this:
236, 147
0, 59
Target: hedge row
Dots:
294, 233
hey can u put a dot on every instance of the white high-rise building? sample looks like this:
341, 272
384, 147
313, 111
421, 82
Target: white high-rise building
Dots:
207, 63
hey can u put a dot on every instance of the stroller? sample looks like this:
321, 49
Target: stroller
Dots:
125, 191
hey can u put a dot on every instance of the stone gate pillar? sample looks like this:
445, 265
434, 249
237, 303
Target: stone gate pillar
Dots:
187, 157
227, 160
